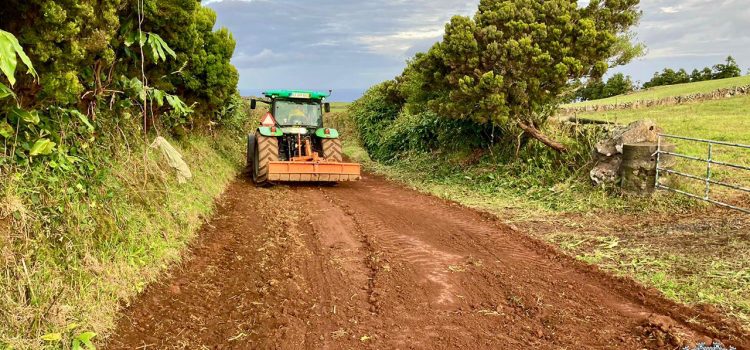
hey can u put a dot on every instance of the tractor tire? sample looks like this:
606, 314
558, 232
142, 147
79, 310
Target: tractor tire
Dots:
332, 150
266, 151
250, 156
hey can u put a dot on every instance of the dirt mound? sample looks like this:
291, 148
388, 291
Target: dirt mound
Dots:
375, 265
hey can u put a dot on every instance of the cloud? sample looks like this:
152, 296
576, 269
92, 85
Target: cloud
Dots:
355, 44
691, 34
398, 44
330, 43
265, 57
670, 9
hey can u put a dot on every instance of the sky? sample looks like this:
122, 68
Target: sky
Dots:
348, 46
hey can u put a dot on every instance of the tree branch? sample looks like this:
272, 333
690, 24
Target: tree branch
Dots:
535, 133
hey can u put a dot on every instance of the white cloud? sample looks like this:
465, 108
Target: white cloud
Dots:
262, 58
397, 44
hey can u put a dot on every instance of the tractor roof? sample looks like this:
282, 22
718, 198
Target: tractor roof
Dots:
302, 94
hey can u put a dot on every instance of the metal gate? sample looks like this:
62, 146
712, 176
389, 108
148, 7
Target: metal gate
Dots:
706, 178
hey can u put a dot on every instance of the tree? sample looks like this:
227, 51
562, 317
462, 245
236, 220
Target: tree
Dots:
668, 77
82, 48
63, 37
202, 71
593, 90
508, 65
729, 69
701, 75
618, 84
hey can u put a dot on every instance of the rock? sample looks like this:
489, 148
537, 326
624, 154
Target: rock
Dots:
609, 150
606, 170
636, 132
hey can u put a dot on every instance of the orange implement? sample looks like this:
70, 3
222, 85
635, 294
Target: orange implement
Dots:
313, 171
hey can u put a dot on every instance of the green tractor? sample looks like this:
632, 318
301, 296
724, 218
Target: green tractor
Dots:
292, 145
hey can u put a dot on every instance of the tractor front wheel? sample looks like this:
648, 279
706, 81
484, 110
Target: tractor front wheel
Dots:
266, 151
332, 150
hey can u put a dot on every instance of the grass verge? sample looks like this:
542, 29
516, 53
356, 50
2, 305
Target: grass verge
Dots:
74, 251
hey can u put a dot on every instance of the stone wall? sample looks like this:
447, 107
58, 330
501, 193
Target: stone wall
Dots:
668, 101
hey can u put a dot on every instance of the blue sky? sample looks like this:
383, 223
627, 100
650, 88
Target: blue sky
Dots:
348, 46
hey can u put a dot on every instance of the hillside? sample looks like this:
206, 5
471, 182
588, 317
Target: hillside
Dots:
668, 91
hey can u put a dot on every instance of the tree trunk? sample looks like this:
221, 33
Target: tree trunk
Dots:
535, 133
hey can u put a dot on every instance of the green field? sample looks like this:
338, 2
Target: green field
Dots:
725, 120
668, 91
339, 106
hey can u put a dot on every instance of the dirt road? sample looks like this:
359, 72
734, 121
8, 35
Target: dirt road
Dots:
375, 265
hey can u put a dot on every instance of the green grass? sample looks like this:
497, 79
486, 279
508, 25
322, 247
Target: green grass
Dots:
725, 120
660, 92
339, 106
77, 251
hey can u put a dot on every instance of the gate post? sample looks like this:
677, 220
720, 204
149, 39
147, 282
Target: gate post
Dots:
639, 163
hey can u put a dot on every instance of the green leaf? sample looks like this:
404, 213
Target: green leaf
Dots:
6, 130
52, 337
158, 96
8, 59
42, 147
83, 118
5, 92
159, 48
85, 339
9, 49
142, 39
31, 117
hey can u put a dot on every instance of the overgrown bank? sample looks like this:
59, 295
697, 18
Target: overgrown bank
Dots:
73, 252
89, 213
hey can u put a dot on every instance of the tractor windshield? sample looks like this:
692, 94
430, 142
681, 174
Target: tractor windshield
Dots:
298, 113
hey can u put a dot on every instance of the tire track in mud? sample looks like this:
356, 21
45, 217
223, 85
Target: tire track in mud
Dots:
375, 265
434, 262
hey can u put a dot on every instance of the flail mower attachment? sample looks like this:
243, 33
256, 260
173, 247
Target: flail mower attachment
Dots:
294, 146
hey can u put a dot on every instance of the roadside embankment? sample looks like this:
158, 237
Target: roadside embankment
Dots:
75, 248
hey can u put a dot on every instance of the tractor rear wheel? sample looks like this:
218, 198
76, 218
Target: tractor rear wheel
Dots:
266, 151
332, 150
250, 156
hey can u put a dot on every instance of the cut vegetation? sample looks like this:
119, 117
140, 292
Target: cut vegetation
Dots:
690, 251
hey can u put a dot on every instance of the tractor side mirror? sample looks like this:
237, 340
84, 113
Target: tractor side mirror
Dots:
327, 107
253, 104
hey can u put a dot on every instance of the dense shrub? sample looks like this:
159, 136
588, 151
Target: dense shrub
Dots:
495, 78
387, 129
372, 114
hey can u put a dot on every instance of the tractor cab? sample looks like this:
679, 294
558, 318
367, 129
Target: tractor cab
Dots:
292, 143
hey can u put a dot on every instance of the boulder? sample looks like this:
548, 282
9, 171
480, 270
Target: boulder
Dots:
636, 132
